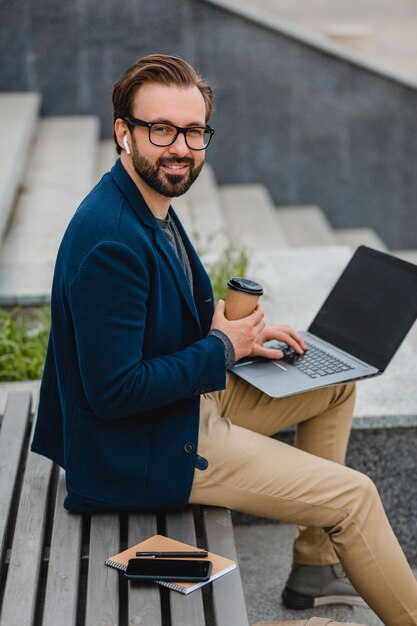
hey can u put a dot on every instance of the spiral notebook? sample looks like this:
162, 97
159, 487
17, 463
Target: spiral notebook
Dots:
159, 543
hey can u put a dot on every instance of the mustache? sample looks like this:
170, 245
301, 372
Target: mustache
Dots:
175, 161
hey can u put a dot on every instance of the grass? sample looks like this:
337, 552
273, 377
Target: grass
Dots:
24, 331
23, 341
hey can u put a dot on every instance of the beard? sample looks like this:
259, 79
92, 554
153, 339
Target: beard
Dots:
168, 185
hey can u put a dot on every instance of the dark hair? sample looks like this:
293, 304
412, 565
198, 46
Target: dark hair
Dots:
156, 68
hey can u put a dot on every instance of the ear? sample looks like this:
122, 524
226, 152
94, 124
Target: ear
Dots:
121, 131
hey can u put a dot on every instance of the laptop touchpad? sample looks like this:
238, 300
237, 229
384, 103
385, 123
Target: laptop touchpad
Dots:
259, 370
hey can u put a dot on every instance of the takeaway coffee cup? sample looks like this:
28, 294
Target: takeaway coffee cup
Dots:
242, 297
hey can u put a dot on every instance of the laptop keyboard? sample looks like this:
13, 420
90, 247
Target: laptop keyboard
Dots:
315, 362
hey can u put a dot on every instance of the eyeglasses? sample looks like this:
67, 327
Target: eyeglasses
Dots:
162, 135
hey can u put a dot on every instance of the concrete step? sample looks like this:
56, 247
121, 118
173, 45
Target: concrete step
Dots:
61, 170
106, 158
412, 336
355, 237
407, 255
411, 257
200, 211
251, 216
306, 226
18, 119
386, 36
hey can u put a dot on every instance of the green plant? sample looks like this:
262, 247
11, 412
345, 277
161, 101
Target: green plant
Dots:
232, 262
23, 341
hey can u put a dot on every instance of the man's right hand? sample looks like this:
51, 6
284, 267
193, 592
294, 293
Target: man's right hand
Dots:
242, 333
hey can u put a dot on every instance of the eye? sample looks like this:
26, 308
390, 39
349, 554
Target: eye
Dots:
196, 132
162, 130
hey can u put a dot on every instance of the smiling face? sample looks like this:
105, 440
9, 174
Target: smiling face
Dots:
168, 171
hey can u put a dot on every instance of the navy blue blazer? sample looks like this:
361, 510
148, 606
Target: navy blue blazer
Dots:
128, 357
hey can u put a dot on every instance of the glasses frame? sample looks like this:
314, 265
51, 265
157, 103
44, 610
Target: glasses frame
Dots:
134, 121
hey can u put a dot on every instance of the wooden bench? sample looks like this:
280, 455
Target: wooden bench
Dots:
52, 568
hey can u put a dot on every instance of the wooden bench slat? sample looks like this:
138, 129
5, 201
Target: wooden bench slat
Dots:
144, 606
105, 587
64, 564
102, 605
19, 604
185, 609
12, 438
228, 597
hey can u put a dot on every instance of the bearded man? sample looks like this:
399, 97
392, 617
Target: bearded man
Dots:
136, 401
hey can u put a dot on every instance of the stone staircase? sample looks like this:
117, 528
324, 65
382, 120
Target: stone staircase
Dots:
16, 139
51, 164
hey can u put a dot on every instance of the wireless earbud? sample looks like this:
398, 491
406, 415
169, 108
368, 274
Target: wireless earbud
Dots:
126, 144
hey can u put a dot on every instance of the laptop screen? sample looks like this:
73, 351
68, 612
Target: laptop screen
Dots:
371, 308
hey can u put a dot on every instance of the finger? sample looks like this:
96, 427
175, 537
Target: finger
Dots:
294, 334
268, 353
298, 338
258, 328
218, 315
219, 309
257, 315
291, 342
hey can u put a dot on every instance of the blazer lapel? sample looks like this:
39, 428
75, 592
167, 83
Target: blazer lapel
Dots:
203, 293
133, 195
178, 272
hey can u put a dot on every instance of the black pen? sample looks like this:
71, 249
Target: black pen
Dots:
168, 555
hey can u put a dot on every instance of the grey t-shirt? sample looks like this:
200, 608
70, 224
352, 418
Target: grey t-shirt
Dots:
174, 239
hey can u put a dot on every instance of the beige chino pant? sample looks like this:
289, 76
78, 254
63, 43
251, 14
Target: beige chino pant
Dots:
337, 509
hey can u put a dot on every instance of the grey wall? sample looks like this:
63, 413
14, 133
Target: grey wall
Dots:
312, 126
318, 129
73, 52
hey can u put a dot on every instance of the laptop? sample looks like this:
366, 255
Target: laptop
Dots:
355, 334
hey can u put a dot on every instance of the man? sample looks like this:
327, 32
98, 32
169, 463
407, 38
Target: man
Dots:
136, 403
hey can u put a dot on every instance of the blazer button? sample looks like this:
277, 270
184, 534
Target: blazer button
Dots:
189, 447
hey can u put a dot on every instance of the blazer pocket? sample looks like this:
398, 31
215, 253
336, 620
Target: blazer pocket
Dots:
107, 461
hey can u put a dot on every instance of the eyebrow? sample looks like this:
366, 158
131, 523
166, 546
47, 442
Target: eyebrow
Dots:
165, 121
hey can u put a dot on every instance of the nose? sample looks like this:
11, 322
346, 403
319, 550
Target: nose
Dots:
179, 147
